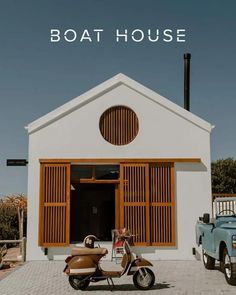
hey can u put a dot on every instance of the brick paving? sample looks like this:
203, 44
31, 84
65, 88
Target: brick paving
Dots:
172, 277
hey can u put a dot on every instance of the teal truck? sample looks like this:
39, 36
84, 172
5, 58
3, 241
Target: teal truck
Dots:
217, 236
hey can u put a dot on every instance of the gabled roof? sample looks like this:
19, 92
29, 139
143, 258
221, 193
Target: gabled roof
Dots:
106, 86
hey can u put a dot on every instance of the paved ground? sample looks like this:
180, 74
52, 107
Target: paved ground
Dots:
172, 277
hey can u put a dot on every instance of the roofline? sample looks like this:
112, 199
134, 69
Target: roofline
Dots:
107, 86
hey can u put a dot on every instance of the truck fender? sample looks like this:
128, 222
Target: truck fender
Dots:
137, 264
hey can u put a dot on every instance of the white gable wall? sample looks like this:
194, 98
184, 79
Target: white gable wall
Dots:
162, 134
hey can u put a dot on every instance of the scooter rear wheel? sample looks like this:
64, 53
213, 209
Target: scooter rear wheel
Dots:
144, 278
78, 282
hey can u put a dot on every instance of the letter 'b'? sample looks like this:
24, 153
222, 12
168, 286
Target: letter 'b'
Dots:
55, 35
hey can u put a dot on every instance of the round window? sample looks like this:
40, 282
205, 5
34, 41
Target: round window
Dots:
119, 125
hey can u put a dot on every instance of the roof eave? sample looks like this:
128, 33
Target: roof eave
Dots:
106, 86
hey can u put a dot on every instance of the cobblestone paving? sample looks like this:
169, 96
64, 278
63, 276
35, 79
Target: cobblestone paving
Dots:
172, 277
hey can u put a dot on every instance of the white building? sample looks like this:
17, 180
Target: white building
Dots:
119, 155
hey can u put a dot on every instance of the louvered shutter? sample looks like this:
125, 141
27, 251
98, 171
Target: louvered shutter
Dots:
134, 202
119, 125
54, 215
162, 204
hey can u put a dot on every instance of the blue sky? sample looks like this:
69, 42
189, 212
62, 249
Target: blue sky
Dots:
38, 76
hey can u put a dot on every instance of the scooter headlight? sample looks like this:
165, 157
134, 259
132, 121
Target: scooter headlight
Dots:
234, 241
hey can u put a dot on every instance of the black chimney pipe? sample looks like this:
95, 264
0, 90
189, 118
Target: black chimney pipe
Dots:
187, 57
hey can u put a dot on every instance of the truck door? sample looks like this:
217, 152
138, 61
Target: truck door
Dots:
208, 238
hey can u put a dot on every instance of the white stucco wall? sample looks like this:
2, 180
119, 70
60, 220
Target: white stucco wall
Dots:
162, 134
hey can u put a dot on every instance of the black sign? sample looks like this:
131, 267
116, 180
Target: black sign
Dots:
17, 162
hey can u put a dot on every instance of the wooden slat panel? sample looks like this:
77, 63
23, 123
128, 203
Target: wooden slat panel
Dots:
162, 205
222, 202
119, 125
54, 205
147, 204
133, 202
147, 199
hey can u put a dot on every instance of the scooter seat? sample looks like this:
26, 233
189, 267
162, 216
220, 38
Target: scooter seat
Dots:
88, 251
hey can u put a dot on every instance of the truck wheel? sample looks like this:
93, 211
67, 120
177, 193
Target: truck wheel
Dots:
144, 278
222, 266
229, 268
78, 282
208, 261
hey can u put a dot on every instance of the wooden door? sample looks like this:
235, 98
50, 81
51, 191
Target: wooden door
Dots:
162, 204
147, 206
54, 214
134, 201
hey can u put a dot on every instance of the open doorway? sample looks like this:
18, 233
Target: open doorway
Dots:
92, 211
92, 205
92, 201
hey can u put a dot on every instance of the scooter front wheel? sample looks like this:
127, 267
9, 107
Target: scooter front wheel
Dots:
78, 282
144, 278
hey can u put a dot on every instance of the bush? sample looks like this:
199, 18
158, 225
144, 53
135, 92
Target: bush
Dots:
223, 174
9, 219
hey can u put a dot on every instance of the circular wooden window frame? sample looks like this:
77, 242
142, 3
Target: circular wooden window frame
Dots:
128, 125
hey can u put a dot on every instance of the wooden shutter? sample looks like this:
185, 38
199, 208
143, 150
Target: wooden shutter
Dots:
134, 203
162, 205
119, 125
54, 215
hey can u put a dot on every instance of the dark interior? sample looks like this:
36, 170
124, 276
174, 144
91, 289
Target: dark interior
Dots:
92, 211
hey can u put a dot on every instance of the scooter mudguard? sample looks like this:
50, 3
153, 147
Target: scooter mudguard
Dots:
137, 264
80, 265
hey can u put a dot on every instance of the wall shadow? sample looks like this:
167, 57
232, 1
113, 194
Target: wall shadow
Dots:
190, 167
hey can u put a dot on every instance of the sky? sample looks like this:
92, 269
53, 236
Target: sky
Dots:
36, 75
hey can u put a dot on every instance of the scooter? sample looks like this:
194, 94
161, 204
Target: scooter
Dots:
83, 266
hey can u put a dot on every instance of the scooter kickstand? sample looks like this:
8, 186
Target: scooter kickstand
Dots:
111, 285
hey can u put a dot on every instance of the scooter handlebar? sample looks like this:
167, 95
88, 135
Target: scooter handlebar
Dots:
126, 237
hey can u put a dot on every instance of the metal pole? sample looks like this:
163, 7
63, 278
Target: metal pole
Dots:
187, 57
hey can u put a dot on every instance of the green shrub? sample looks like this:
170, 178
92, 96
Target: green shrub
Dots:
9, 220
223, 172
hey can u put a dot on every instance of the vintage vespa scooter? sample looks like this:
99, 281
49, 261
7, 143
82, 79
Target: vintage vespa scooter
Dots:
83, 266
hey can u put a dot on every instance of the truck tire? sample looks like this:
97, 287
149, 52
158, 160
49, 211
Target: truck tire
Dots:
208, 261
229, 268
